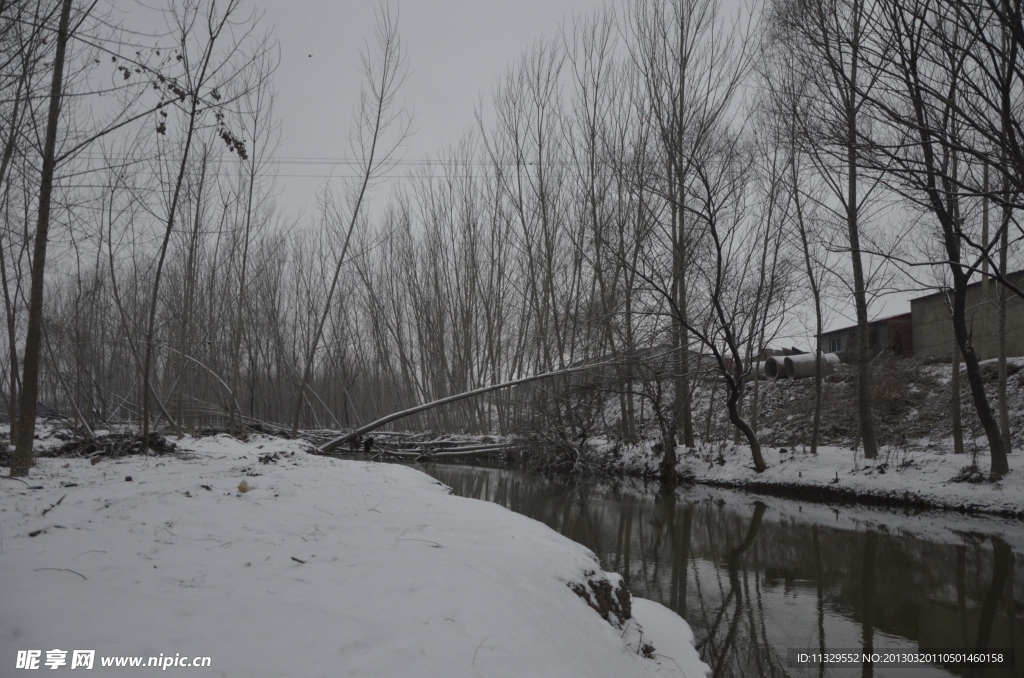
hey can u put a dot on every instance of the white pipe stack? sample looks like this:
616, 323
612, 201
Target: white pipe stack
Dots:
803, 365
774, 368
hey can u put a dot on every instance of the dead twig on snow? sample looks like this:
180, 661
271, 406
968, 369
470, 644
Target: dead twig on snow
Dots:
61, 569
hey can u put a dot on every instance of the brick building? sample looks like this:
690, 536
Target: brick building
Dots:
933, 330
928, 331
893, 333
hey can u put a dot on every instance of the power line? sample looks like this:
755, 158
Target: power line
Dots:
415, 162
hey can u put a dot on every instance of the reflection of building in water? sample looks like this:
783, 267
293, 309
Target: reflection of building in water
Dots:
752, 585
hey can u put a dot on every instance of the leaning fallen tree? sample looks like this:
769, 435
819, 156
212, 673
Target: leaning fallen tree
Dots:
359, 432
436, 451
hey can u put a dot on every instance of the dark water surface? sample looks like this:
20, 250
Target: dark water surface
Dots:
755, 576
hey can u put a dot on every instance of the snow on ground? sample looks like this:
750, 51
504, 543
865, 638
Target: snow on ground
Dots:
324, 567
936, 526
924, 477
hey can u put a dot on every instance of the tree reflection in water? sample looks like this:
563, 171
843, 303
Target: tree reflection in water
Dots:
756, 577
867, 605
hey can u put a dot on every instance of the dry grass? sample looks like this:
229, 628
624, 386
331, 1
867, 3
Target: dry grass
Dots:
912, 405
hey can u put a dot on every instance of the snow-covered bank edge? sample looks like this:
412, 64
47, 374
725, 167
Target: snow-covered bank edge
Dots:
918, 478
318, 565
915, 479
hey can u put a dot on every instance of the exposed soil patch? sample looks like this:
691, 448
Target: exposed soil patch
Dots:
611, 602
911, 405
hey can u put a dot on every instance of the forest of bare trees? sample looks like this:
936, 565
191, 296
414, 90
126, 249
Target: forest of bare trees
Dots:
662, 180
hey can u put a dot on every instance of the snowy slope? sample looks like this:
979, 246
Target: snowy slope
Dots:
398, 577
932, 478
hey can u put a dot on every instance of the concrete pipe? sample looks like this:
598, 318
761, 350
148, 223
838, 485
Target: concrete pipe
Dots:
803, 365
774, 368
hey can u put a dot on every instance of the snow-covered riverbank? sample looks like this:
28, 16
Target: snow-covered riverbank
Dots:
932, 478
323, 567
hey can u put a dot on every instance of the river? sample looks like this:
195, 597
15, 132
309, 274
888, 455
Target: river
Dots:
760, 578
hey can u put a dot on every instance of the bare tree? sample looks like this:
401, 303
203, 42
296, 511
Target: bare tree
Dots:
200, 93
692, 62
785, 93
384, 70
22, 37
827, 40
731, 290
22, 460
920, 141
259, 129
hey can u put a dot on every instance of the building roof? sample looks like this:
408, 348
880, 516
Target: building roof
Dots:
898, 316
1011, 275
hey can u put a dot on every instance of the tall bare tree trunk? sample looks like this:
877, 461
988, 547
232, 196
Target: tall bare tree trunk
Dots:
954, 397
10, 313
683, 409
147, 359
684, 336
997, 449
1002, 295
867, 426
22, 459
812, 279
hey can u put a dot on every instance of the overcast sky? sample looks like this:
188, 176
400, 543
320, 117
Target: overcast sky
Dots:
458, 49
